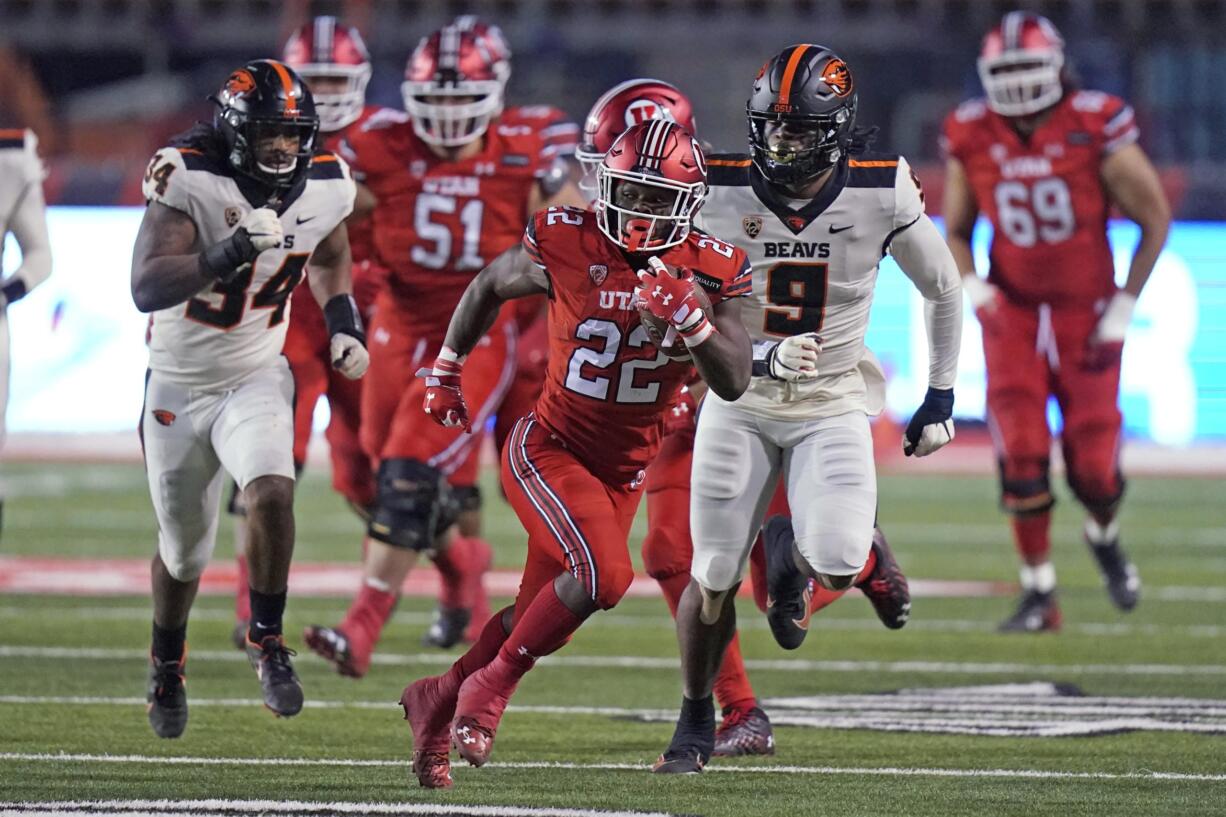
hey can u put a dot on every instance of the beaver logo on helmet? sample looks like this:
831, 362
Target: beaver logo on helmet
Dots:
837, 75
240, 83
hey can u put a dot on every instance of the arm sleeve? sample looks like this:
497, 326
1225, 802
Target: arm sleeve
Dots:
29, 227
926, 260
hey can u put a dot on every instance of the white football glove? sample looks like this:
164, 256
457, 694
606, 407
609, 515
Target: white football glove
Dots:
263, 228
979, 292
794, 358
349, 356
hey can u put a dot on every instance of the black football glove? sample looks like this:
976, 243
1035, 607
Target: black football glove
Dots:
931, 426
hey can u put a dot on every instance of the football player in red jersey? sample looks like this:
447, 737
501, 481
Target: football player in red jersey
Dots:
1045, 162
454, 180
334, 63
667, 547
574, 467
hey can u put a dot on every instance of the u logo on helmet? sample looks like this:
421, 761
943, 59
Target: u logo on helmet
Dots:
644, 110
837, 75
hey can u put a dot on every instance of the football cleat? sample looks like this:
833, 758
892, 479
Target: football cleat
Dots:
428, 709
788, 591
886, 586
332, 645
744, 732
238, 636
690, 749
478, 711
167, 698
278, 681
1036, 612
448, 627
1120, 575
683, 760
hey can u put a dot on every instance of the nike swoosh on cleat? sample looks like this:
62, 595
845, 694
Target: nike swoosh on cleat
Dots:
803, 623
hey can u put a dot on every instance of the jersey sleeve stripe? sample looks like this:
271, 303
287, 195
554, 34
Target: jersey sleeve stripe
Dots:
563, 149
561, 129
1126, 138
872, 163
1119, 121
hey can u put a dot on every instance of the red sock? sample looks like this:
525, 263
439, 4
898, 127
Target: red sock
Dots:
1032, 535
732, 687
242, 595
824, 598
672, 587
545, 626
452, 565
484, 649
364, 622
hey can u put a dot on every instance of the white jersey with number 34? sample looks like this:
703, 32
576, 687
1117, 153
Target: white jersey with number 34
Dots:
225, 333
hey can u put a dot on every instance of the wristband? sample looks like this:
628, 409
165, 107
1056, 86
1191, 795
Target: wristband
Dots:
341, 316
224, 259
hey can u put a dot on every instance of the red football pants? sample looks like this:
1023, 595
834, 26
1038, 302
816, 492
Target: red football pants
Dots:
1031, 353
394, 426
531, 364
575, 522
308, 349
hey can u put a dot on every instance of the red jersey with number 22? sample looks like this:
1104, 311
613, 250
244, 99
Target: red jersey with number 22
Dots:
1044, 195
607, 386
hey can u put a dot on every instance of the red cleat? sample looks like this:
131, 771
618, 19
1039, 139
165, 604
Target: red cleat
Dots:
428, 707
478, 711
335, 647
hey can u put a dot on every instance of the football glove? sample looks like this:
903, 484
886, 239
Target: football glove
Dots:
671, 298
985, 300
683, 414
348, 346
794, 358
444, 401
263, 228
1105, 346
349, 356
260, 230
931, 427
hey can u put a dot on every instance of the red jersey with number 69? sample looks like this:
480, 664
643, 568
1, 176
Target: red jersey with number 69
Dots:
607, 387
1044, 195
438, 222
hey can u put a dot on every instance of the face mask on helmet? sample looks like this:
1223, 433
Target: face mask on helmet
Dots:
451, 116
339, 91
1022, 82
271, 150
790, 150
640, 212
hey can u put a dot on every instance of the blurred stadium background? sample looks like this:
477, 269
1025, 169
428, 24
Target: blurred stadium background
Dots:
104, 82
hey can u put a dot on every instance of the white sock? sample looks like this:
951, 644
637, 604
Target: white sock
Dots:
1102, 534
1039, 577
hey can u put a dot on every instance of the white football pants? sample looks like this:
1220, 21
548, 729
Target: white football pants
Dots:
831, 484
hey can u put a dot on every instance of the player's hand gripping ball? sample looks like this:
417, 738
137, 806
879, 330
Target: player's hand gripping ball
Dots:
659, 330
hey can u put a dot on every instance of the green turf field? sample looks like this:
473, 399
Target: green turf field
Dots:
72, 675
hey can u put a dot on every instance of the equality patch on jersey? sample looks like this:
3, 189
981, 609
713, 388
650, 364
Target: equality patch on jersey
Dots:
1037, 709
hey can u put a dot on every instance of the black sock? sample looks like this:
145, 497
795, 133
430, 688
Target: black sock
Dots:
699, 712
266, 612
168, 645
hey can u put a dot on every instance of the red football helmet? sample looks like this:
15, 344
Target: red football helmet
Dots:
1020, 64
652, 157
327, 55
454, 82
624, 105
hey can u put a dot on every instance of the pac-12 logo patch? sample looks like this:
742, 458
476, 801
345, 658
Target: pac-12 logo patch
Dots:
233, 214
598, 272
164, 417
752, 225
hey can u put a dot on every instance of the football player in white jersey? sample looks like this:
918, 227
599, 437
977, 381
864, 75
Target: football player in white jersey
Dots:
22, 213
238, 212
817, 215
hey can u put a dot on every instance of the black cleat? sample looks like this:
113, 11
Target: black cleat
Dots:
447, 628
278, 681
744, 732
167, 697
886, 587
787, 589
1036, 613
693, 741
683, 760
1120, 575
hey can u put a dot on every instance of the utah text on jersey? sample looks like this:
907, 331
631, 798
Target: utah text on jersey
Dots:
227, 332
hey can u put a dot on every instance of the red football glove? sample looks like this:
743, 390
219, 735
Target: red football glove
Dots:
671, 298
682, 415
444, 401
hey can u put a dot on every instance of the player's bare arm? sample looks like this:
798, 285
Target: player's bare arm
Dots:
511, 275
725, 359
328, 270
960, 211
364, 203
1133, 186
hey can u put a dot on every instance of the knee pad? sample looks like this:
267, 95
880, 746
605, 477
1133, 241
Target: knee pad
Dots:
1100, 495
186, 566
614, 581
408, 497
1025, 495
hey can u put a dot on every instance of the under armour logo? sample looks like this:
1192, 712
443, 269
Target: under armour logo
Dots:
524, 651
466, 735
658, 292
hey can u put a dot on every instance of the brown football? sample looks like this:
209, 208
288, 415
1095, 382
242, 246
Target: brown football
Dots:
657, 329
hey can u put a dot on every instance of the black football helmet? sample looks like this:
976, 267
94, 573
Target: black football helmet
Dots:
266, 98
802, 114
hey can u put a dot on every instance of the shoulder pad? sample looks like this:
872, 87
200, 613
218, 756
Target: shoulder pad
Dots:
872, 170
12, 138
728, 169
326, 166
384, 118
971, 110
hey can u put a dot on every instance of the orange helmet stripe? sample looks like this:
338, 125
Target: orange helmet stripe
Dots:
291, 104
789, 73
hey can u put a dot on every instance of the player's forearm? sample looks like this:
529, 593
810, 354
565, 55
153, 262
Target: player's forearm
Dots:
725, 359
29, 226
329, 281
960, 249
476, 313
1153, 238
159, 283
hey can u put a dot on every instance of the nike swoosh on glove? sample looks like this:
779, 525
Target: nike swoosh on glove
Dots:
931, 427
349, 356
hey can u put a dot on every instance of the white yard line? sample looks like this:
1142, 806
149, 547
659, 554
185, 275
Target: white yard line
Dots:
202, 808
644, 662
1036, 774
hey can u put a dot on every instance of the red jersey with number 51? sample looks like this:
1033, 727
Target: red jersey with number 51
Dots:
607, 387
1044, 195
439, 222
